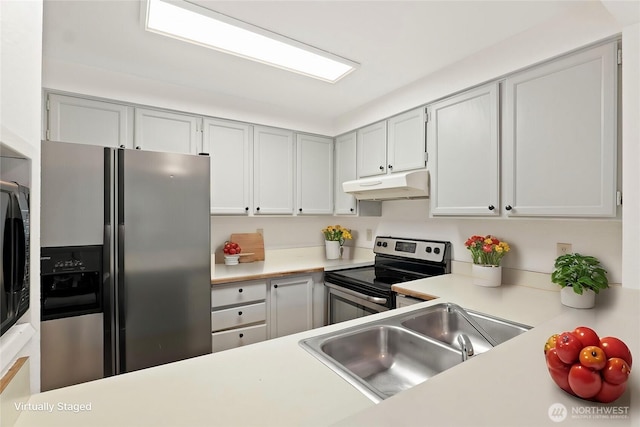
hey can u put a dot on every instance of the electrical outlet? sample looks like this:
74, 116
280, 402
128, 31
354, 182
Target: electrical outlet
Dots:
260, 231
369, 235
563, 248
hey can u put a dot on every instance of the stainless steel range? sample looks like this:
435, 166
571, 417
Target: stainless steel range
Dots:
360, 291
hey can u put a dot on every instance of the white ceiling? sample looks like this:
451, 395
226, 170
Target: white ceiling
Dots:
396, 43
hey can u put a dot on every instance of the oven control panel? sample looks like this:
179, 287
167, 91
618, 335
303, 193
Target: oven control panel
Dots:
426, 250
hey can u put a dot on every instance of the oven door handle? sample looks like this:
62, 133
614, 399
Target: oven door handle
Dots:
376, 300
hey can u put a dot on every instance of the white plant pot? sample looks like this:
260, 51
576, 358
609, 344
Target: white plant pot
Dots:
486, 275
569, 298
333, 249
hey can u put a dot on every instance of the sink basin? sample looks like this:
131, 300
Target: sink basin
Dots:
389, 359
445, 323
384, 357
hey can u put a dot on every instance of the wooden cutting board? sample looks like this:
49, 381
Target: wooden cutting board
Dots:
251, 243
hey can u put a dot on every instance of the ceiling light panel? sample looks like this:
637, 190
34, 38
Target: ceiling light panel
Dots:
195, 24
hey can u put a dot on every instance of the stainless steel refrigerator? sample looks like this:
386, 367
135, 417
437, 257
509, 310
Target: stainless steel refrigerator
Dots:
149, 212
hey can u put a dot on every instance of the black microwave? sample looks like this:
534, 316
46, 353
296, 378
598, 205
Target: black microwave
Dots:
14, 260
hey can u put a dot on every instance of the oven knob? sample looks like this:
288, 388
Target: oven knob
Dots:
436, 251
428, 249
384, 244
379, 244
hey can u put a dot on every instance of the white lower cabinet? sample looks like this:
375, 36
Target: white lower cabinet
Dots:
248, 312
238, 337
239, 314
290, 305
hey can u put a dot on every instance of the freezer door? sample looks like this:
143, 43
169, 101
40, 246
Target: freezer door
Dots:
163, 253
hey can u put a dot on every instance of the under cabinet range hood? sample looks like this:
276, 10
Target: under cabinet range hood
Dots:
403, 185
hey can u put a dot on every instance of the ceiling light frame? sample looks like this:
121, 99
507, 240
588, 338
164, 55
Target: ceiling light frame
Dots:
243, 39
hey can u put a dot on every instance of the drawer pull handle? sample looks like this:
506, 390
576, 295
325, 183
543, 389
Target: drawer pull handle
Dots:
241, 335
240, 290
239, 313
275, 286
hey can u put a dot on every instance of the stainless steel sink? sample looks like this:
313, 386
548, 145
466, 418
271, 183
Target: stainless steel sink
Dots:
446, 322
384, 357
388, 359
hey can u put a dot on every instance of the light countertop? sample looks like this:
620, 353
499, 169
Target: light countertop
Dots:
279, 262
277, 383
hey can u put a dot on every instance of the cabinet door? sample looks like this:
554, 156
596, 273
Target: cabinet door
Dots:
228, 145
167, 132
464, 153
406, 147
85, 121
372, 150
560, 136
291, 302
345, 161
314, 172
273, 171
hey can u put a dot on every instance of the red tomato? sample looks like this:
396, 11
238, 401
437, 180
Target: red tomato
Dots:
616, 371
232, 251
569, 347
238, 250
234, 245
561, 377
614, 347
610, 392
593, 357
587, 336
558, 370
553, 361
584, 382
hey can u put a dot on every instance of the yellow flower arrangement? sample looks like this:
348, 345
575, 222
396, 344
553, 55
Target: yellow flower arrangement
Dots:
337, 233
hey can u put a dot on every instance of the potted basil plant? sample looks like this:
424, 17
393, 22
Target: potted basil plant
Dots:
581, 278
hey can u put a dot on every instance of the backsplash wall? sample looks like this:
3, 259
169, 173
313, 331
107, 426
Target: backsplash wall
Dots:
533, 241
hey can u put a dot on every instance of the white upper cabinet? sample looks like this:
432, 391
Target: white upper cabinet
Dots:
463, 144
406, 146
273, 171
314, 174
372, 150
86, 121
167, 132
345, 170
560, 137
393, 145
228, 144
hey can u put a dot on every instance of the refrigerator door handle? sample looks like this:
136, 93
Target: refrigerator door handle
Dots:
109, 296
119, 268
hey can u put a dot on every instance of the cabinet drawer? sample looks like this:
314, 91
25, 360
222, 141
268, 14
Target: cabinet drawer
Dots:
238, 294
238, 337
238, 316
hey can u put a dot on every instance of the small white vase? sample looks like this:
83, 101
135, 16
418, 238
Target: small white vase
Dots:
569, 298
486, 275
333, 249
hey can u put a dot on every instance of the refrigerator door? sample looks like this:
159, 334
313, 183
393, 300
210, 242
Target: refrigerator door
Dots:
163, 258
